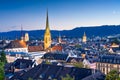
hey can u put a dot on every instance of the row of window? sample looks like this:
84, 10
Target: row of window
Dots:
110, 60
107, 65
105, 68
17, 50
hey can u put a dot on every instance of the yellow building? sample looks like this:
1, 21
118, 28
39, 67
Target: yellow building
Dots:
47, 35
84, 39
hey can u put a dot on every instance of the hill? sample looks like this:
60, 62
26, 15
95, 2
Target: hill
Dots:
104, 30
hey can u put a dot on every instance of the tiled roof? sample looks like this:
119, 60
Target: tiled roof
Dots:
110, 58
3, 42
116, 49
17, 75
74, 59
34, 48
23, 63
55, 56
17, 44
8, 68
57, 48
50, 72
96, 76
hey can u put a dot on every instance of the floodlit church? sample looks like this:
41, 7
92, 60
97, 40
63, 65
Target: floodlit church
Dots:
16, 46
84, 39
26, 38
20, 46
48, 41
47, 35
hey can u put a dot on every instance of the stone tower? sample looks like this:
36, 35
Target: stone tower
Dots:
59, 39
84, 39
47, 35
26, 38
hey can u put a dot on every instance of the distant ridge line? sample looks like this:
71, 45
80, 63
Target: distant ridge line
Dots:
104, 30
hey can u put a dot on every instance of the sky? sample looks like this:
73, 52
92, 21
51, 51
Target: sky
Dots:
63, 14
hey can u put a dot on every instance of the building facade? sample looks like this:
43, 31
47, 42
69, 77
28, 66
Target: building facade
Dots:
16, 46
109, 62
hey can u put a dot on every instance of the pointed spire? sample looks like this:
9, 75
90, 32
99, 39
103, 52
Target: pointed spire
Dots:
84, 34
59, 35
22, 32
59, 38
47, 34
47, 22
84, 38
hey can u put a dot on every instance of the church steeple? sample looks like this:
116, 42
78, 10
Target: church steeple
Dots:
59, 38
22, 37
84, 38
84, 34
47, 23
47, 35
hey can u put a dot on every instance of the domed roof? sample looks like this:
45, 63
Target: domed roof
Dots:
17, 44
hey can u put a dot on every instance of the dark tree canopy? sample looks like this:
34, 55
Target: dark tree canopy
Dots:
3, 57
112, 75
2, 62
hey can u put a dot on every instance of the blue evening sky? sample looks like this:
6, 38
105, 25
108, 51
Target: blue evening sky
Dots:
63, 14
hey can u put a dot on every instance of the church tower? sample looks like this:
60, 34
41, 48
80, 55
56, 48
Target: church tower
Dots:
22, 37
26, 38
84, 39
47, 35
59, 39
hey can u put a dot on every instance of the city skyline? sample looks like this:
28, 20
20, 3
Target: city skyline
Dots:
63, 14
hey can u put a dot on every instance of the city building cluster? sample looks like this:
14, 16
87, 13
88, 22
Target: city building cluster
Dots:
48, 59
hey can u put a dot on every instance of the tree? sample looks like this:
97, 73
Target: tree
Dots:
2, 63
67, 77
78, 46
2, 71
48, 62
30, 78
78, 64
112, 75
3, 57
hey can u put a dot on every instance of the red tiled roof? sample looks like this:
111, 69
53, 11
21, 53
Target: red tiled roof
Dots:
57, 48
17, 44
34, 48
